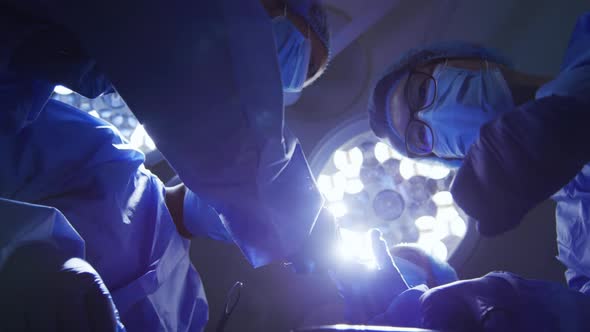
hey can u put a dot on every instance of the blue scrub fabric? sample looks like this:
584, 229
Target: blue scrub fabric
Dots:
527, 155
80, 165
193, 78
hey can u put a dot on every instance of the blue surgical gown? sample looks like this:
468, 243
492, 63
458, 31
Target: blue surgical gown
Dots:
529, 154
80, 165
203, 78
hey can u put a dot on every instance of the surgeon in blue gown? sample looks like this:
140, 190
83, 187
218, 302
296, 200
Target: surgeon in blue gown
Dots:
518, 139
205, 80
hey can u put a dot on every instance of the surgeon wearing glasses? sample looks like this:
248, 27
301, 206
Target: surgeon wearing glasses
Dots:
517, 139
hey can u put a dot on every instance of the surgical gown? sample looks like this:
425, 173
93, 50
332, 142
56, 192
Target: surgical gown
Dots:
529, 154
80, 165
203, 79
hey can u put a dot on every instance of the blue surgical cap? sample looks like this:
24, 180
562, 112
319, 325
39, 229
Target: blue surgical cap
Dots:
315, 15
378, 102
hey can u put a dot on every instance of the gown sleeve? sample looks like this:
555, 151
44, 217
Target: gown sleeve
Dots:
203, 78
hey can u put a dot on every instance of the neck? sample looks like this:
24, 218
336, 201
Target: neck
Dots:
523, 86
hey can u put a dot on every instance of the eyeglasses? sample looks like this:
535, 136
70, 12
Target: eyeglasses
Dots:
419, 137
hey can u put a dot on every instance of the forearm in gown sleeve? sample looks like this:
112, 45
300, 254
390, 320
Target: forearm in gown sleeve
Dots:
24, 224
202, 77
521, 159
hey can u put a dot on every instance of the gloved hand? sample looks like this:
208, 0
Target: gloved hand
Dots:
320, 250
368, 292
43, 291
505, 302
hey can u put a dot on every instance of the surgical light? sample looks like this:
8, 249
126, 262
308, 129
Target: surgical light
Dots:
425, 223
442, 198
441, 229
458, 226
140, 139
338, 209
339, 181
354, 186
349, 162
388, 205
446, 213
324, 183
433, 171
62, 90
367, 184
406, 168
356, 246
439, 250
383, 152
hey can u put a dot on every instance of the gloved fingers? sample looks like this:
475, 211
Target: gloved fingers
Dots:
101, 312
85, 308
349, 277
446, 308
71, 314
88, 297
40, 313
381, 251
496, 319
12, 304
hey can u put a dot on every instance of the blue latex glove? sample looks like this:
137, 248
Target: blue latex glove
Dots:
368, 292
42, 291
319, 250
505, 302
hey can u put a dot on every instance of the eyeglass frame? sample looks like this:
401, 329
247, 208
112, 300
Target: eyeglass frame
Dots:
413, 112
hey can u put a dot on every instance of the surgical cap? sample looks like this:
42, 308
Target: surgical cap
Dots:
315, 15
384, 87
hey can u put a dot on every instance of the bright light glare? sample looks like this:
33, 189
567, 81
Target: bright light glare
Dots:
349, 162
381, 152
458, 226
62, 90
447, 213
339, 181
94, 113
426, 240
354, 186
439, 250
326, 187
324, 183
356, 157
338, 209
425, 223
357, 246
441, 229
432, 171
439, 172
406, 168
334, 195
140, 139
340, 159
442, 198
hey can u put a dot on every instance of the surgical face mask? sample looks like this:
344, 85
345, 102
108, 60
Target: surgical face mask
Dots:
465, 100
294, 52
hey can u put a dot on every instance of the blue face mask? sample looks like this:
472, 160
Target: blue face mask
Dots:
465, 100
294, 51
